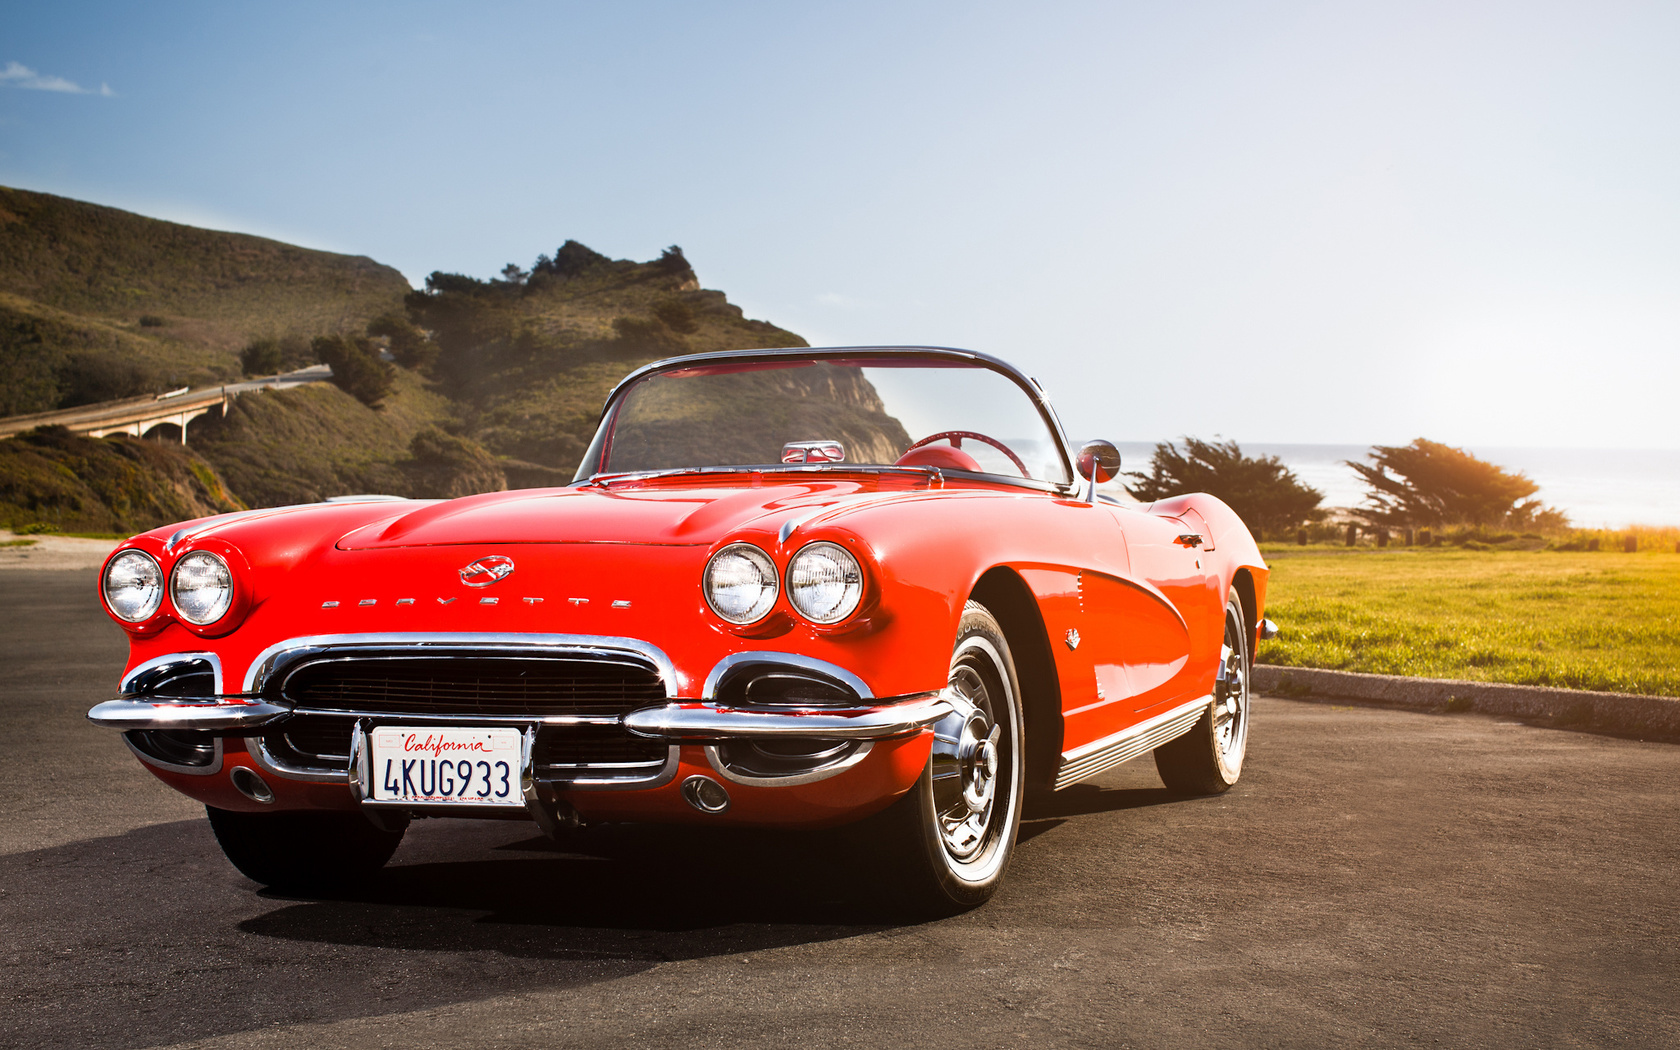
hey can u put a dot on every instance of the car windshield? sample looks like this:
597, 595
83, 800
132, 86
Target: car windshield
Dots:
907, 411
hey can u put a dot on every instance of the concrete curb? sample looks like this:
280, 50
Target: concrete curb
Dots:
1623, 714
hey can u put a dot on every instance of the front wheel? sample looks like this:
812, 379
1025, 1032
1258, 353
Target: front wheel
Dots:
948, 841
303, 850
1209, 759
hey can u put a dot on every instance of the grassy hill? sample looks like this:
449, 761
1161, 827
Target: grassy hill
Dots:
114, 485
97, 303
530, 358
303, 445
495, 382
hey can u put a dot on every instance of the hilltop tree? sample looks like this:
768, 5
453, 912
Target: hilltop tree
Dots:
1428, 483
1266, 495
570, 259
673, 262
356, 367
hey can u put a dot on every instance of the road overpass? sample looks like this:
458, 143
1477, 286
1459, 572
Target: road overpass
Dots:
141, 415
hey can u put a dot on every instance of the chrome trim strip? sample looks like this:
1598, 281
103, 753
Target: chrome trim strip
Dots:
801, 518
803, 663
185, 714
715, 757
659, 778
704, 721
265, 762
359, 769
156, 662
215, 765
275, 657
405, 717
1101, 755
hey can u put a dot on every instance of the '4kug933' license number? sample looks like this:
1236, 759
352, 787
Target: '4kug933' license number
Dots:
446, 765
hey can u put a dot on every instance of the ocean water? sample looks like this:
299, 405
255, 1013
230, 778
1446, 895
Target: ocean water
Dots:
1597, 488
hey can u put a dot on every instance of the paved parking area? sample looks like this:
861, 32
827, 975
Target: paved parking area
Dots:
1379, 878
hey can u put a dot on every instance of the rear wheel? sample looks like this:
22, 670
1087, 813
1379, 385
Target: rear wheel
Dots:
947, 842
1209, 758
306, 850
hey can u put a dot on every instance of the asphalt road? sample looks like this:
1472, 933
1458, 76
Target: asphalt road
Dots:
1379, 878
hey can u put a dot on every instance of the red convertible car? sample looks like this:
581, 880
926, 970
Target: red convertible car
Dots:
787, 588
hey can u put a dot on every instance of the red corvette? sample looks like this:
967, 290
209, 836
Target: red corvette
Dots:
788, 588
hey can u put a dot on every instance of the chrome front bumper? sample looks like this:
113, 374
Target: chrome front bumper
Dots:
676, 721
697, 721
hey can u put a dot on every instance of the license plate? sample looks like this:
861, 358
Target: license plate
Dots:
478, 767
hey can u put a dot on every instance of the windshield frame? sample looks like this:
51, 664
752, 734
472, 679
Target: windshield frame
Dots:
1029, 386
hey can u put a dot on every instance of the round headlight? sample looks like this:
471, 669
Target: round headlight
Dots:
825, 583
133, 586
201, 588
740, 583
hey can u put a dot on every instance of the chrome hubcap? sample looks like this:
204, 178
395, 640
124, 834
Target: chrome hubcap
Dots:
1230, 694
966, 764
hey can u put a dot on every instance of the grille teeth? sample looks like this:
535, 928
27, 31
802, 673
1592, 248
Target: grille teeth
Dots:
467, 685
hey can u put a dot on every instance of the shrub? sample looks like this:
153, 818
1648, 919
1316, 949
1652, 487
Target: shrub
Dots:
266, 357
152, 321
97, 375
444, 466
1266, 495
411, 347
356, 367
677, 315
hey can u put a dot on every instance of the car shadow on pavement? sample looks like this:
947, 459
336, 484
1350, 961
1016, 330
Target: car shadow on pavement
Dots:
617, 892
134, 923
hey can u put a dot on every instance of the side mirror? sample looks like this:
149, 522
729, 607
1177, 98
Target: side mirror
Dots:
1098, 462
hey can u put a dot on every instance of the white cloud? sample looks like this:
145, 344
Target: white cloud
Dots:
16, 74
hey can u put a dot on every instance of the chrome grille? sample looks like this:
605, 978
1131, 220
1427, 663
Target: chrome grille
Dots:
331, 692
474, 685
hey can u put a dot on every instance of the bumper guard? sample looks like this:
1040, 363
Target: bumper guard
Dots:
221, 713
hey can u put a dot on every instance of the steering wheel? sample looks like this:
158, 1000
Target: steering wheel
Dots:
956, 439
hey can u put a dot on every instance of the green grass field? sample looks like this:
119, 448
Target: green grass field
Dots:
1578, 620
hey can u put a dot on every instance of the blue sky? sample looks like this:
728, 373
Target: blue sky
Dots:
1291, 222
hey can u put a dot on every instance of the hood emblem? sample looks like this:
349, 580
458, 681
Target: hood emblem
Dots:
485, 571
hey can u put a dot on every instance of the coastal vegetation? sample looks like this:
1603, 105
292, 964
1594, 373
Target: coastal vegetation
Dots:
1426, 484
1266, 495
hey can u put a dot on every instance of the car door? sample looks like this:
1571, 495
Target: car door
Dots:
1169, 554
1120, 644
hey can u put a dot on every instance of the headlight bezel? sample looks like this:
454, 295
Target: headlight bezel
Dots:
768, 598
225, 603
156, 603
854, 583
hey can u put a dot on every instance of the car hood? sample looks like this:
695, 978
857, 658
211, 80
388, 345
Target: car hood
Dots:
653, 514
